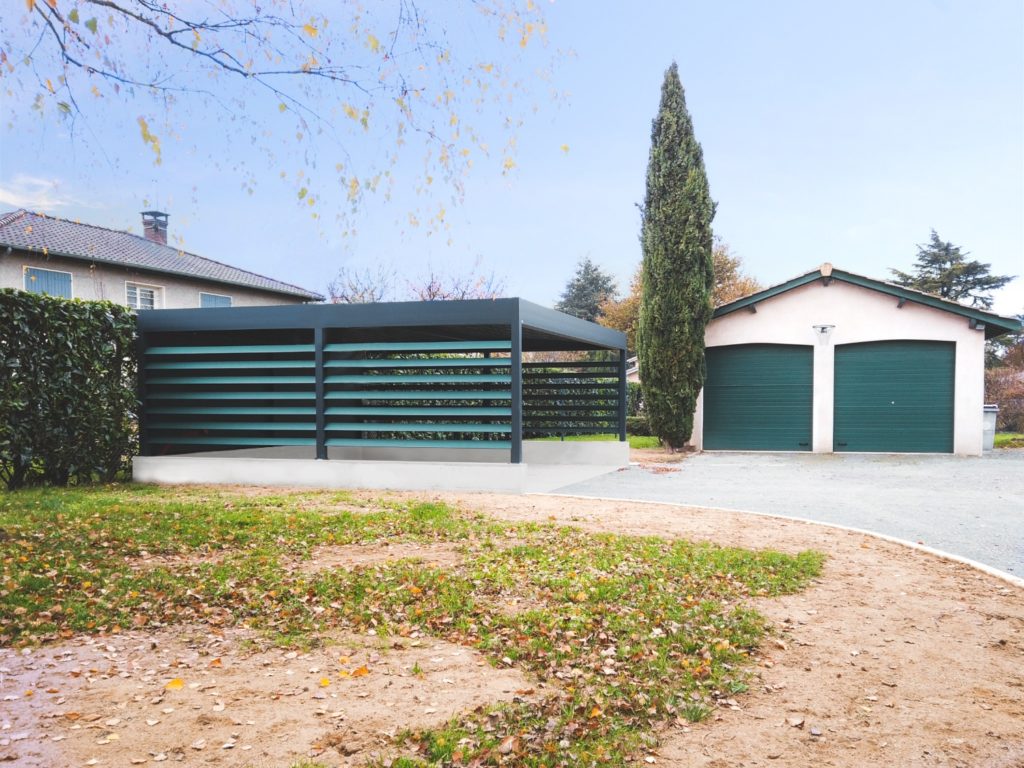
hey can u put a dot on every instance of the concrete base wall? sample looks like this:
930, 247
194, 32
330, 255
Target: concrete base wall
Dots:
559, 452
548, 465
395, 475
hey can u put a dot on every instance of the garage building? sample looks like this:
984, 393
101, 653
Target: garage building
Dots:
831, 361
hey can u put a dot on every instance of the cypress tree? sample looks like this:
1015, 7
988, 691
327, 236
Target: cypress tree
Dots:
678, 273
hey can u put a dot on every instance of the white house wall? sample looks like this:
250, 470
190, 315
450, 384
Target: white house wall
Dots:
107, 282
859, 315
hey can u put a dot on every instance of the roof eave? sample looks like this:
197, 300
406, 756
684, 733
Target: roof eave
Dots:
994, 325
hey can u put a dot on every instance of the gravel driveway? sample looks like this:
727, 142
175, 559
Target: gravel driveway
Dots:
972, 507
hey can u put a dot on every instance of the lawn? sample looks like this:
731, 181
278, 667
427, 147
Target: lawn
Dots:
623, 634
635, 441
1009, 440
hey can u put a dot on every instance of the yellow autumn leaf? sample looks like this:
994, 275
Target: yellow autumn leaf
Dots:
49, 86
175, 685
353, 188
508, 164
30, 4
595, 712
372, 42
415, 590
216, 663
565, 148
324, 682
302, 193
344, 673
360, 671
310, 30
282, 107
351, 111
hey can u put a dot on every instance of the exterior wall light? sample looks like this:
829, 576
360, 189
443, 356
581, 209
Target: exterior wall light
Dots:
823, 332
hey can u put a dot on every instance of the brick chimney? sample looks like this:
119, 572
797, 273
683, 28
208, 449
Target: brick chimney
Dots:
154, 226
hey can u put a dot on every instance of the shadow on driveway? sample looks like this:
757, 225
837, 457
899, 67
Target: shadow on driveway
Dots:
972, 507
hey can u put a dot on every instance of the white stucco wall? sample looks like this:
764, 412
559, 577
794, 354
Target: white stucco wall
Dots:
104, 281
859, 315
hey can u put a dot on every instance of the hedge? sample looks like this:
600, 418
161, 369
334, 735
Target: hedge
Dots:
67, 390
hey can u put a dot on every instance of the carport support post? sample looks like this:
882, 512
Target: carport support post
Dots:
517, 386
321, 418
623, 395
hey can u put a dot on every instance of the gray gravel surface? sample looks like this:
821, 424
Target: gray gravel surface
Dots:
972, 507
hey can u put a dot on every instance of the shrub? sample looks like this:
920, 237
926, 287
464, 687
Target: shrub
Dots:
634, 398
67, 389
637, 425
1005, 387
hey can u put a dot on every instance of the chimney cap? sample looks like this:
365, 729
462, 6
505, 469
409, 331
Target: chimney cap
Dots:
155, 214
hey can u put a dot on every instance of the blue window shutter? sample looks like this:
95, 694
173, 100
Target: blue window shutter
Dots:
48, 281
209, 300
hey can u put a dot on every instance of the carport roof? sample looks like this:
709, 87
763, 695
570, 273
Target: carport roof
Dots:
481, 319
993, 324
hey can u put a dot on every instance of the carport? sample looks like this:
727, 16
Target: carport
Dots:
410, 394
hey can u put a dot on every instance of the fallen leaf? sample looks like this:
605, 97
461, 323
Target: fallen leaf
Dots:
175, 684
324, 682
216, 663
360, 671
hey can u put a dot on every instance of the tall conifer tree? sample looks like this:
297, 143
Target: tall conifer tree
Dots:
678, 271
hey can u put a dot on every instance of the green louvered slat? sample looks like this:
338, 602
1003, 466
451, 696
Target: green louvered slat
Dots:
894, 396
228, 411
535, 387
399, 411
233, 350
239, 426
231, 395
185, 365
446, 362
231, 380
554, 432
419, 346
222, 440
413, 378
560, 366
418, 395
342, 426
379, 443
602, 378
757, 397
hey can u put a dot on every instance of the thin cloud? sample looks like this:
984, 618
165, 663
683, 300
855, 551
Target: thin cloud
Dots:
39, 194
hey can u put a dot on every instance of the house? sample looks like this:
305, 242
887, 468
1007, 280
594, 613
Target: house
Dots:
45, 254
832, 361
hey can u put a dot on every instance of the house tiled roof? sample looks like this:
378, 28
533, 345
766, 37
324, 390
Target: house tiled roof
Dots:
37, 232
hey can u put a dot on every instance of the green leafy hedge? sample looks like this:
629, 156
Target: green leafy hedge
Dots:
67, 390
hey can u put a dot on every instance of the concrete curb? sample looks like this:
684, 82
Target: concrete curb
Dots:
988, 569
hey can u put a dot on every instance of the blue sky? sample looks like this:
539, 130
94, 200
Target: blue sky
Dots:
836, 132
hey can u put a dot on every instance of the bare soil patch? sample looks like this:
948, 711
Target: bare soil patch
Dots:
349, 556
894, 657
187, 696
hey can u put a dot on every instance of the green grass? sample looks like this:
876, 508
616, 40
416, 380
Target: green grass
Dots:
1009, 440
635, 441
625, 633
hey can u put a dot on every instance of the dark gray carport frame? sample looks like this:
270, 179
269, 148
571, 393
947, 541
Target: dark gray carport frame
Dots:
528, 326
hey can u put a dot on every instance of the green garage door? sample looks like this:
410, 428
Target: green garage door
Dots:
757, 397
894, 396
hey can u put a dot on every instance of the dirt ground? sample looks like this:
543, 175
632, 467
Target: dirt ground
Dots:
892, 658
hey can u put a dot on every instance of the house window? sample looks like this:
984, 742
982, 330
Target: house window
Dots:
48, 281
209, 300
138, 296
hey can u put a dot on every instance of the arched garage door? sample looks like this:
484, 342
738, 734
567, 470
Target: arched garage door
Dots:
894, 396
757, 397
